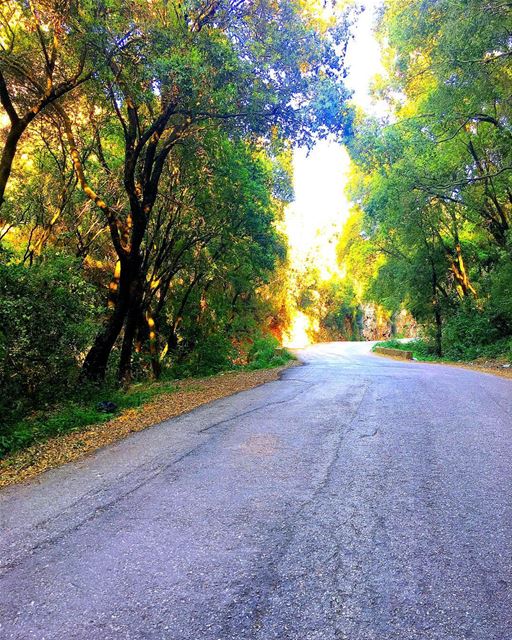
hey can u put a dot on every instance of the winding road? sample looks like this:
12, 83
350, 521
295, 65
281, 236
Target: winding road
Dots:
358, 498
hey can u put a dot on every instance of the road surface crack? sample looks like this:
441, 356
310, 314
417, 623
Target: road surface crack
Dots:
269, 574
266, 405
369, 435
155, 470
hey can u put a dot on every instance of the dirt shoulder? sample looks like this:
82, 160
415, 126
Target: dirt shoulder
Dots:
188, 395
499, 368
494, 367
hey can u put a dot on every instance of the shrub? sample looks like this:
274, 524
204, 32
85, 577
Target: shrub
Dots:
266, 352
472, 333
421, 349
46, 322
211, 353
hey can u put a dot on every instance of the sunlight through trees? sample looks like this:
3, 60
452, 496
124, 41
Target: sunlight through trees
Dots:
147, 187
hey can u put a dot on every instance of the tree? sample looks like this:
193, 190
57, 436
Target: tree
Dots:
435, 176
45, 54
250, 69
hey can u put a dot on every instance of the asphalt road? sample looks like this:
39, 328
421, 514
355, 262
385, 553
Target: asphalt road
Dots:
358, 498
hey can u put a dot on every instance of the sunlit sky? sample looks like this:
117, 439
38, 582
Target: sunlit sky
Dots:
320, 208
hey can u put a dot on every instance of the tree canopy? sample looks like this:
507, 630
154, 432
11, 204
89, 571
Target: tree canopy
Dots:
146, 164
434, 176
144, 171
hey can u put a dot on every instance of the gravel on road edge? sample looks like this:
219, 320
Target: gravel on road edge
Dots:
191, 393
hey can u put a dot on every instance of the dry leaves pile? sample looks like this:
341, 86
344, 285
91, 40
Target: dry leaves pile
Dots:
189, 395
494, 367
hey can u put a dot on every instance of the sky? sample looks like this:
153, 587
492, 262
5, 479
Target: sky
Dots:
321, 207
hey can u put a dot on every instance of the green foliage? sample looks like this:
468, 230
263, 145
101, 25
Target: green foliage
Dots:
75, 415
499, 284
47, 320
211, 354
145, 184
421, 349
474, 333
338, 310
433, 178
266, 352
464, 340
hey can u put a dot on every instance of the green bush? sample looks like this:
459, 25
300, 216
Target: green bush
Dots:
461, 341
500, 297
473, 333
421, 349
211, 354
46, 323
266, 352
216, 352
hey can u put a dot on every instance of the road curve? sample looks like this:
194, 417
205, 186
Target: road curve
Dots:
358, 498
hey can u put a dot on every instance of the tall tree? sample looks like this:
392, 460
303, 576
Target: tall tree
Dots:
435, 182
249, 68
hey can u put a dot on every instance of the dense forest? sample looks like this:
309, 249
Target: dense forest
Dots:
147, 163
427, 246
145, 168
432, 183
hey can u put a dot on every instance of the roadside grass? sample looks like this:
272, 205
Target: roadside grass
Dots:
420, 349
497, 354
77, 414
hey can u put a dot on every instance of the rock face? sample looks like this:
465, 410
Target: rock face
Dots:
366, 322
375, 323
405, 326
378, 324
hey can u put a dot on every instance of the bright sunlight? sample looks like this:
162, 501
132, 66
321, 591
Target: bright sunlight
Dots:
314, 221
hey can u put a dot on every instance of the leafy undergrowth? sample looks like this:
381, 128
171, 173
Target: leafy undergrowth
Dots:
217, 354
76, 415
265, 354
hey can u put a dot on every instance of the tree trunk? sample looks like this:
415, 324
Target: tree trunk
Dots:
133, 317
156, 365
439, 330
8, 154
438, 319
173, 338
125, 361
95, 364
